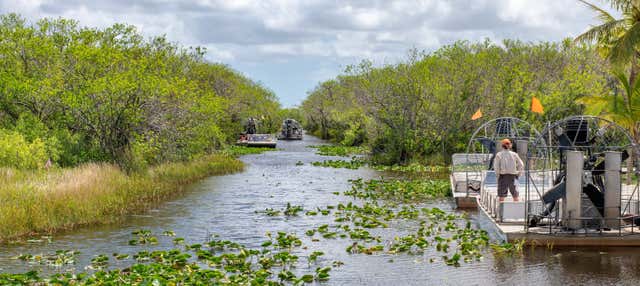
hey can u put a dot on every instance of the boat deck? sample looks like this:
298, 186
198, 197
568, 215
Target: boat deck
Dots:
509, 216
543, 236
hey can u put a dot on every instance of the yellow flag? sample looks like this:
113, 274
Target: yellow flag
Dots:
476, 115
536, 106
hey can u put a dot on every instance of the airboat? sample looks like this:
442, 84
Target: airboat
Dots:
250, 138
257, 140
291, 130
578, 188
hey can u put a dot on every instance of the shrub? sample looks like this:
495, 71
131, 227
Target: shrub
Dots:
17, 152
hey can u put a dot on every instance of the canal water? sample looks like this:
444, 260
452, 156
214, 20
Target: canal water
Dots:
226, 206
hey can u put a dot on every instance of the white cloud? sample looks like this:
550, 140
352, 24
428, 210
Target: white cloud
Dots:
219, 54
326, 28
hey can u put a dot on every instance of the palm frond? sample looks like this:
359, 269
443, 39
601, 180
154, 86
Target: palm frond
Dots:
636, 86
604, 33
603, 15
595, 104
625, 46
620, 75
620, 5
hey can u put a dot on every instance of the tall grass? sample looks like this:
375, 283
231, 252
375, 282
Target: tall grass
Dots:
43, 202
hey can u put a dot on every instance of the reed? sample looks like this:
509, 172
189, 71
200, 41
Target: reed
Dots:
38, 202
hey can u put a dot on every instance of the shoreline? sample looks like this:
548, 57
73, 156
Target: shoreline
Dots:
46, 202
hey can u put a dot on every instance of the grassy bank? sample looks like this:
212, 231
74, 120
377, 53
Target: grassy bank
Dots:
44, 202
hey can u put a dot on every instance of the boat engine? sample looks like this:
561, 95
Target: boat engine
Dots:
584, 157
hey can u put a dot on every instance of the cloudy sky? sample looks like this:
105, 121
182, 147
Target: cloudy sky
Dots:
290, 45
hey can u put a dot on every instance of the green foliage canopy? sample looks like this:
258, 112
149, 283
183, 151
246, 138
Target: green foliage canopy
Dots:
421, 107
110, 95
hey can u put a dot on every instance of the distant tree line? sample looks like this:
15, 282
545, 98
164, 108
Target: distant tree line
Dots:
421, 108
75, 94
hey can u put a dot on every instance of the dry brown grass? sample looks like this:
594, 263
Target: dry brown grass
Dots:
44, 202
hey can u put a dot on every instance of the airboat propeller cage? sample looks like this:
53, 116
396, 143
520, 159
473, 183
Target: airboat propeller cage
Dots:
485, 142
580, 158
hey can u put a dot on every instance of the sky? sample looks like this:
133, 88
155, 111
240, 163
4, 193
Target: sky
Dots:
290, 46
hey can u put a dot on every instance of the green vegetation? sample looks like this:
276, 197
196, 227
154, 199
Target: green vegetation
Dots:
408, 191
236, 151
43, 202
57, 259
389, 201
339, 150
353, 164
289, 210
413, 168
617, 40
98, 123
419, 110
277, 261
436, 229
215, 262
77, 95
409, 170
515, 248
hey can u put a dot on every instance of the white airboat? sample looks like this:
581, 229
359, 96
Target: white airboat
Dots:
578, 187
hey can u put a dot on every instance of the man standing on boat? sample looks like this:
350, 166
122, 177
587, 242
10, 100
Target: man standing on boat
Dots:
508, 167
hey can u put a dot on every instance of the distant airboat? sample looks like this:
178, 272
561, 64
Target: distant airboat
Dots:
249, 137
291, 130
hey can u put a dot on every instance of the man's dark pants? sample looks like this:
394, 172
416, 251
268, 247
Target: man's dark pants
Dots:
506, 183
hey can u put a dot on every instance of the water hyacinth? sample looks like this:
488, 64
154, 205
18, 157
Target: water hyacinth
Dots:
216, 262
235, 150
58, 259
352, 164
407, 191
438, 230
338, 150
289, 210
515, 248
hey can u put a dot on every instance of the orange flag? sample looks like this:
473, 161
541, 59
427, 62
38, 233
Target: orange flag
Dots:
476, 115
536, 106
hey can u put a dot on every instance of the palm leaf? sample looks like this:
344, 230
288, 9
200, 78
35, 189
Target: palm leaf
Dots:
625, 47
603, 15
604, 33
620, 5
595, 105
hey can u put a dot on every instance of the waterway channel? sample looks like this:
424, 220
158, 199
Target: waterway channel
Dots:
226, 206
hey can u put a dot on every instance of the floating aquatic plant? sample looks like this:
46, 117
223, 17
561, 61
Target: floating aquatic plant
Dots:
99, 262
216, 262
143, 237
314, 256
292, 210
355, 163
508, 248
58, 259
336, 150
289, 210
413, 168
408, 191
